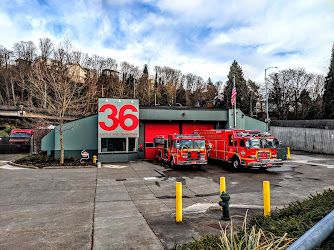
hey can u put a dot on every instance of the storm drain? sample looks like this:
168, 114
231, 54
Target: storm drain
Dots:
120, 179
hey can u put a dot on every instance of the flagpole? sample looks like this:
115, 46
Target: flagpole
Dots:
235, 106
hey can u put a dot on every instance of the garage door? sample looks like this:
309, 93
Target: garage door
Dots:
154, 129
188, 128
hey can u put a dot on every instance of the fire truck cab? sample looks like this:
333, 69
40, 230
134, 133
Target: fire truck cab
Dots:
181, 150
21, 138
248, 148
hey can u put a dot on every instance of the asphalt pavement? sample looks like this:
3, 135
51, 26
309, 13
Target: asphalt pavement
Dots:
132, 205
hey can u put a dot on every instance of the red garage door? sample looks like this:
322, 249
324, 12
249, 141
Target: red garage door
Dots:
188, 128
154, 129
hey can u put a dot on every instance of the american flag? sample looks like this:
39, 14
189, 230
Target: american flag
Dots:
234, 94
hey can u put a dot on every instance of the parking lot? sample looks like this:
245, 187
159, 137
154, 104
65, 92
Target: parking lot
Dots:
132, 205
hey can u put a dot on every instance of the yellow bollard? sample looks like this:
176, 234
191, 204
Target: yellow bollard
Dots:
94, 159
178, 202
266, 197
288, 153
222, 187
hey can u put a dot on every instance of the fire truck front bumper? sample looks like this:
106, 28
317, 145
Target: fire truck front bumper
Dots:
266, 163
198, 162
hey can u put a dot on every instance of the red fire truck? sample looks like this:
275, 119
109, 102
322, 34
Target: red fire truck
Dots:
181, 150
20, 138
249, 148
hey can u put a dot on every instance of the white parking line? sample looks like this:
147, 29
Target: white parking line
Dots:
11, 167
311, 163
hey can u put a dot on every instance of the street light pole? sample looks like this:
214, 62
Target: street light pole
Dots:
267, 108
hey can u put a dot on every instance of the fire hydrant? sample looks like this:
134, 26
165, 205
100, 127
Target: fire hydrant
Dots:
94, 159
225, 204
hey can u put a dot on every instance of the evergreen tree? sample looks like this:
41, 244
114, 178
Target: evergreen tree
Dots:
243, 97
328, 97
181, 96
145, 71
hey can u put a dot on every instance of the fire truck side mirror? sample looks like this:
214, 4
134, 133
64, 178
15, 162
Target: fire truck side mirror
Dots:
177, 146
210, 146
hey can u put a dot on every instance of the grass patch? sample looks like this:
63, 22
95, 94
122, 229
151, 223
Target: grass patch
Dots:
276, 231
42, 161
298, 217
247, 238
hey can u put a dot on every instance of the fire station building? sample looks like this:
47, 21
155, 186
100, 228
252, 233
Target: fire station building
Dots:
124, 131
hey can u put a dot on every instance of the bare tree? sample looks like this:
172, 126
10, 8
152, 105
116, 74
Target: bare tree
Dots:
5, 56
25, 50
76, 57
63, 94
46, 47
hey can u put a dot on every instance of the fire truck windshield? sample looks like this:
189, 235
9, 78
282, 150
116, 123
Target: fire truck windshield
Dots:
20, 135
192, 144
186, 144
254, 143
268, 143
199, 144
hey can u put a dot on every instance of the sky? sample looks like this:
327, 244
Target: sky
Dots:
202, 37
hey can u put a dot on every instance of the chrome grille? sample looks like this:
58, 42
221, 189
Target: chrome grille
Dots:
263, 155
194, 155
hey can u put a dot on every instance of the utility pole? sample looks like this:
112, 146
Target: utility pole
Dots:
267, 109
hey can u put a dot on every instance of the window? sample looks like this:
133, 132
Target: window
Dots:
132, 144
149, 145
242, 143
113, 144
199, 144
186, 144
230, 140
118, 145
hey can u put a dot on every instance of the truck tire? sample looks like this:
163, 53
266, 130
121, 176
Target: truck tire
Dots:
172, 163
235, 163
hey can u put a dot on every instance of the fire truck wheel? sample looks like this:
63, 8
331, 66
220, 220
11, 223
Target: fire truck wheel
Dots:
172, 163
235, 163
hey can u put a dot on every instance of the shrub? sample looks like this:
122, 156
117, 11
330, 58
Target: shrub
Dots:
247, 238
298, 217
272, 232
41, 160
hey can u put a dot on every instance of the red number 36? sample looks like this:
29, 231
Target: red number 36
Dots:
121, 117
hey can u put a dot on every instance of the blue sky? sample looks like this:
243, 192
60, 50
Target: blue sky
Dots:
195, 36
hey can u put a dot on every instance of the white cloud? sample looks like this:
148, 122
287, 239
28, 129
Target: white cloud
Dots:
199, 37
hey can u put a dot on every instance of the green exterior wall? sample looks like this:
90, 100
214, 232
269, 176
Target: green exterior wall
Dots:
199, 114
82, 134
244, 122
48, 142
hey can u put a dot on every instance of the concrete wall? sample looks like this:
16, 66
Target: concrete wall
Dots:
244, 122
305, 139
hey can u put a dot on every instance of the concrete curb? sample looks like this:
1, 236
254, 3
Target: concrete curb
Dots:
53, 167
21, 166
